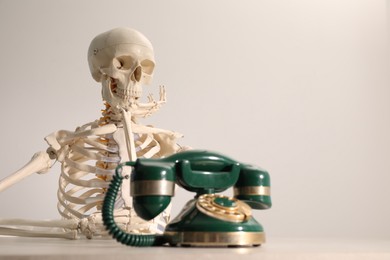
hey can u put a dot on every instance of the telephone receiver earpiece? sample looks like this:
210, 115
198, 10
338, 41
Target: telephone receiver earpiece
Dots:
152, 186
253, 187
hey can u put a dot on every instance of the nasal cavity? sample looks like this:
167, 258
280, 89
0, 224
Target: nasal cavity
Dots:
137, 74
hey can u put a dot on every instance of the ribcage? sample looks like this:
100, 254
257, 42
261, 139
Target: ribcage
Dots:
87, 170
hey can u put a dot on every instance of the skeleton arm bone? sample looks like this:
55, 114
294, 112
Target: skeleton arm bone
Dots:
154, 130
54, 228
40, 163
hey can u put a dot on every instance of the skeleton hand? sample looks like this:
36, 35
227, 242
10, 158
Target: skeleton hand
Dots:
163, 94
147, 109
152, 102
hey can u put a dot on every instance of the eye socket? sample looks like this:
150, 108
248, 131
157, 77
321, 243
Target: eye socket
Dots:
147, 66
122, 63
126, 63
118, 64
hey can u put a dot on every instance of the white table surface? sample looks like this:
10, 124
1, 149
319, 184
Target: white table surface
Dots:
275, 248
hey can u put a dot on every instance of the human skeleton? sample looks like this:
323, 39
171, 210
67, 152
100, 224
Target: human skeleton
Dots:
121, 59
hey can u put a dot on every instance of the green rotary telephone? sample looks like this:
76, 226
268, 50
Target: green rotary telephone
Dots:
210, 219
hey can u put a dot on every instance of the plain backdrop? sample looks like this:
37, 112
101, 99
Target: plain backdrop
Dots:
300, 88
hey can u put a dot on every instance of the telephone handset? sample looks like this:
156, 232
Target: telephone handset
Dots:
210, 219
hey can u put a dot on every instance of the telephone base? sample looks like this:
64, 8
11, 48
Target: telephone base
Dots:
215, 239
212, 220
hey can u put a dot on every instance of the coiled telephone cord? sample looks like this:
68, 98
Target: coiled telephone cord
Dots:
109, 221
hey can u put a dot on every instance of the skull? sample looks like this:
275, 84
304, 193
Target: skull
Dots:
121, 59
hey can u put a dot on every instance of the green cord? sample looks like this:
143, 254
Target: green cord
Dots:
109, 221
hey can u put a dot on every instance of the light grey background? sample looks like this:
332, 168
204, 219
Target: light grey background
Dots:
300, 88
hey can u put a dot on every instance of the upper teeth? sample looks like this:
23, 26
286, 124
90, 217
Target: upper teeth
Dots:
122, 93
